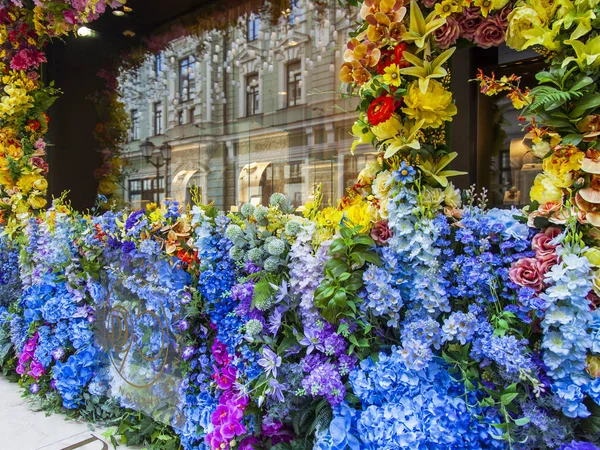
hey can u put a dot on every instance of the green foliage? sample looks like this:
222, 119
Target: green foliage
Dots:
337, 296
138, 429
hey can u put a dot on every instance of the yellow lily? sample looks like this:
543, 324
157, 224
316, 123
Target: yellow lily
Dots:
588, 54
581, 15
407, 138
425, 70
543, 36
433, 170
420, 28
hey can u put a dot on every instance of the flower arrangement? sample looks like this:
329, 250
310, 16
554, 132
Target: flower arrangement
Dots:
408, 315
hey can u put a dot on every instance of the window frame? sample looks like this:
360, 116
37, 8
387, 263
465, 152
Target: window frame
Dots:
157, 118
158, 63
296, 99
252, 27
151, 194
252, 95
184, 63
135, 124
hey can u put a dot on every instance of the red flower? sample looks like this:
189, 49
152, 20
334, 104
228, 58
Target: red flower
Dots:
33, 124
389, 57
380, 109
185, 256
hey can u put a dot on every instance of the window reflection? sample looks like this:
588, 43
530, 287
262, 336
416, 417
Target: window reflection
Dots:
249, 111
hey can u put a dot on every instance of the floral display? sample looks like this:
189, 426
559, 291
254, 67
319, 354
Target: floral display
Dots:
25, 28
408, 315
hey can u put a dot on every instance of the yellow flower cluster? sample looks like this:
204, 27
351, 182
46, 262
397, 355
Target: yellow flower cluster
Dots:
16, 99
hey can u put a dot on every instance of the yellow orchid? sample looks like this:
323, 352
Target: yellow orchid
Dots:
405, 139
392, 75
433, 172
426, 70
588, 54
421, 28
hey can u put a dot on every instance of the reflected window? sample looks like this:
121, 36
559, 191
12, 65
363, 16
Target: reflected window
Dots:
294, 12
158, 64
185, 67
179, 117
158, 118
252, 25
145, 190
294, 83
252, 94
135, 124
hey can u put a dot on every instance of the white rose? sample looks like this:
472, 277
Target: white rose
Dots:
540, 150
452, 196
369, 172
381, 185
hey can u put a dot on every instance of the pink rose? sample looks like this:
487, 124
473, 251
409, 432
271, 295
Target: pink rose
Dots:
541, 242
503, 15
547, 262
381, 232
469, 21
490, 33
40, 164
526, 272
447, 34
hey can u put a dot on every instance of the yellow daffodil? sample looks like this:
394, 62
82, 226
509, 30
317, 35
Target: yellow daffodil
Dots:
447, 7
588, 54
426, 70
391, 75
433, 169
421, 28
433, 107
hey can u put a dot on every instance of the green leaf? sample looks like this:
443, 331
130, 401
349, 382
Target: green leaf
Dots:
364, 240
589, 101
572, 139
522, 421
506, 399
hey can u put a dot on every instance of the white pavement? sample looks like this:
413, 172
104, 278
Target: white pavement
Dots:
24, 429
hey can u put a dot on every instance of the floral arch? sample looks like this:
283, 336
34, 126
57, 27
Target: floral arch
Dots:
408, 316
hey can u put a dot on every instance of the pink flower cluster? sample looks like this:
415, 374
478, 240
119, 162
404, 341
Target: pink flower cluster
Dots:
227, 418
485, 32
27, 363
530, 272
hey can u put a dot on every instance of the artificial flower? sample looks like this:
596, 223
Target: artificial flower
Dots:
433, 106
426, 70
545, 191
420, 28
381, 109
392, 75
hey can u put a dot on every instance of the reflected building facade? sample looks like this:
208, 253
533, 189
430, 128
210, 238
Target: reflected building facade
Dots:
246, 112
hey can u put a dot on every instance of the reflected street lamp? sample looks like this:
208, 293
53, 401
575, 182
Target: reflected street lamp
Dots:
147, 148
